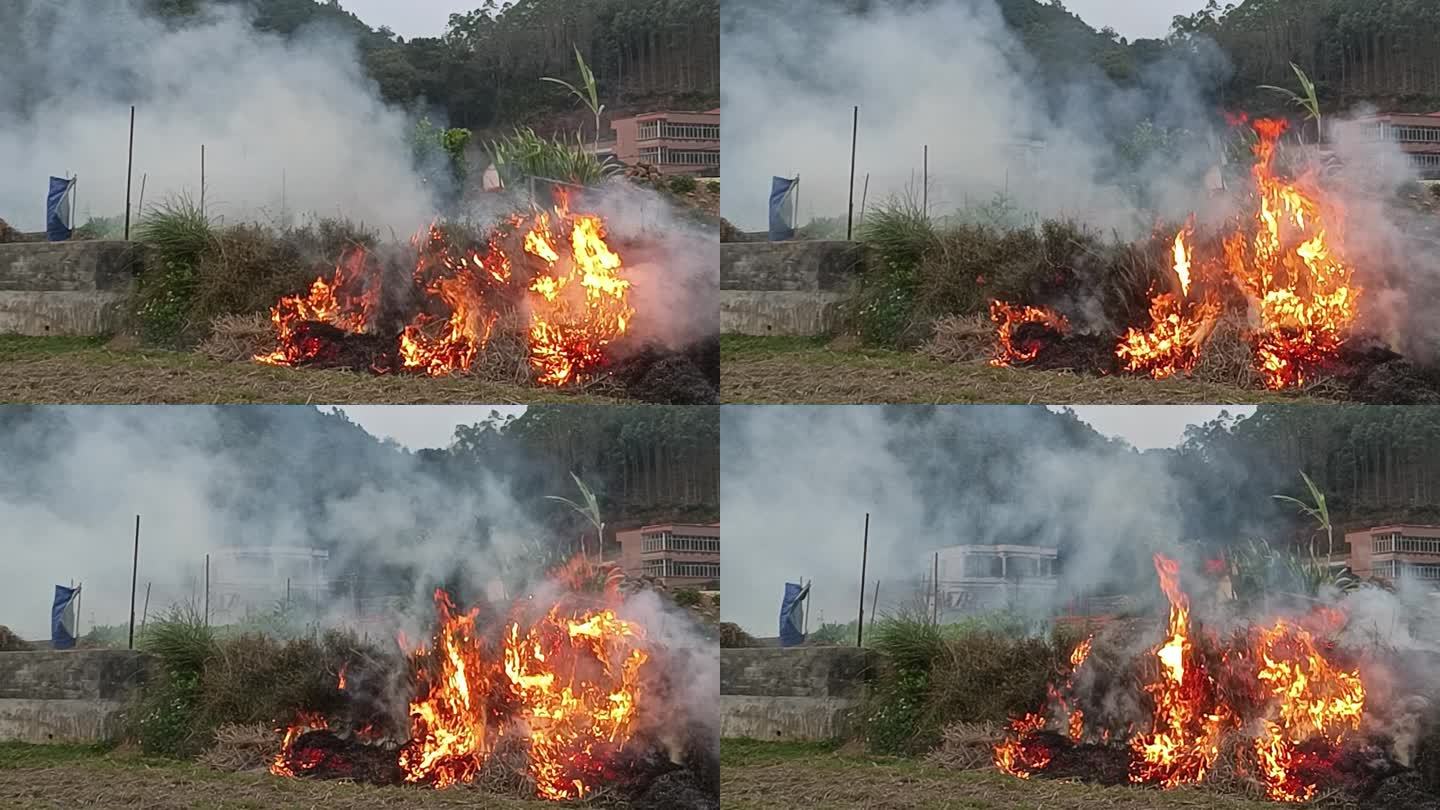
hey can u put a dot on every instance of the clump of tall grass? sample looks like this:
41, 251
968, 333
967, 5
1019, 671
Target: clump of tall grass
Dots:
177, 235
523, 154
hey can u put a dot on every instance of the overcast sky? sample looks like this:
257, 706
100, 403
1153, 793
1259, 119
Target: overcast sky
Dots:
1134, 19
408, 18
1151, 427
421, 426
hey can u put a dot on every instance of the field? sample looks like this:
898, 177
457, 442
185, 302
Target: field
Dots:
763, 775
779, 370
52, 776
86, 370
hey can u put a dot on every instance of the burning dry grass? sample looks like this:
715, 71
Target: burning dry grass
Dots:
759, 775
790, 370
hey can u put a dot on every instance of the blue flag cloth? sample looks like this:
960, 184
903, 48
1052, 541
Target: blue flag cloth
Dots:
57, 209
781, 225
62, 618
792, 614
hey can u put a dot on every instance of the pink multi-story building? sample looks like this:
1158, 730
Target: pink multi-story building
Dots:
678, 554
673, 142
1396, 552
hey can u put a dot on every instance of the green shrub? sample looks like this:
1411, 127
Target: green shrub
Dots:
164, 721
687, 597
682, 184
983, 669
177, 236
883, 310
247, 269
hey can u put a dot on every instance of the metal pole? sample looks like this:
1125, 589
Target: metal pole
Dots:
146, 611
935, 582
79, 600
130, 173
850, 217
140, 207
875, 604
207, 590
202, 182
925, 180
865, 192
135, 560
74, 194
864, 557
795, 201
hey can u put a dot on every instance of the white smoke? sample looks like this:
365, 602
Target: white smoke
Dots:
290, 127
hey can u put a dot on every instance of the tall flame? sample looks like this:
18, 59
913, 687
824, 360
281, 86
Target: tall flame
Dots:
573, 290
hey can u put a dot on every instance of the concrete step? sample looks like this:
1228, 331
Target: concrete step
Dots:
63, 313
69, 266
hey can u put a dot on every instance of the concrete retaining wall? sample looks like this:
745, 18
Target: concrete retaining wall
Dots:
66, 288
69, 696
801, 693
786, 288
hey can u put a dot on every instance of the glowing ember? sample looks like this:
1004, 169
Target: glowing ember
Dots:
285, 762
1019, 756
554, 267
1012, 348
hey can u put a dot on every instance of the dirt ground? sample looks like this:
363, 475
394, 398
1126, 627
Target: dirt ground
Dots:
68, 777
81, 370
789, 370
758, 775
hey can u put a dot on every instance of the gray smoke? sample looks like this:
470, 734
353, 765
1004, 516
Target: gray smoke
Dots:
948, 74
291, 127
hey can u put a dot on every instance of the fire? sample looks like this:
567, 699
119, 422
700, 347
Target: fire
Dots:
555, 267
578, 680
1009, 318
449, 724
285, 764
1283, 265
1185, 734
1313, 698
569, 685
1018, 756
1297, 707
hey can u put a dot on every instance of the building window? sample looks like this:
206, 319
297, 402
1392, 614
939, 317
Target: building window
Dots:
691, 157
694, 569
651, 155
649, 130
692, 132
667, 541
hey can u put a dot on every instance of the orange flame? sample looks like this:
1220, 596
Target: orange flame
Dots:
1008, 319
1185, 729
1285, 263
285, 763
576, 299
1301, 699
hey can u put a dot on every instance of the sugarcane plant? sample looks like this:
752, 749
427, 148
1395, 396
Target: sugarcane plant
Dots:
586, 92
590, 510
1307, 99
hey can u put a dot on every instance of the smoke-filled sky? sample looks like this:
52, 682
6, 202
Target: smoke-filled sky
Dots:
950, 75
291, 127
75, 477
797, 481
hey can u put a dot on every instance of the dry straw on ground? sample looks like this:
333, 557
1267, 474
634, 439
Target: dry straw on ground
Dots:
246, 747
966, 747
961, 339
238, 338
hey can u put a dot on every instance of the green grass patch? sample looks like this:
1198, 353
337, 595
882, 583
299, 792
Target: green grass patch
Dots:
745, 752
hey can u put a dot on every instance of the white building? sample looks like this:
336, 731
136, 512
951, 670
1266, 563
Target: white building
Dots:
980, 578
